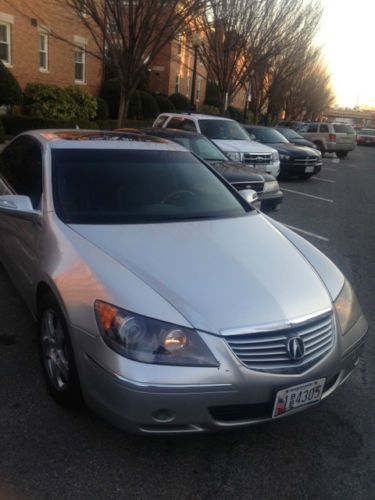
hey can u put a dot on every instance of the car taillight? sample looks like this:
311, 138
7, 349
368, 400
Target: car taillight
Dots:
332, 137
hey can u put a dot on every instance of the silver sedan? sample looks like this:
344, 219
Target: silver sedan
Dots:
164, 300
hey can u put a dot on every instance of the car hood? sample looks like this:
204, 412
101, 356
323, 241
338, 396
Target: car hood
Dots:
220, 274
293, 150
303, 142
242, 146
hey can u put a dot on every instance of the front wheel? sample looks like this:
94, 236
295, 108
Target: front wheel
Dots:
342, 154
56, 353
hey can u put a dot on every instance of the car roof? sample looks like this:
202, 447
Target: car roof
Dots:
100, 139
175, 132
199, 116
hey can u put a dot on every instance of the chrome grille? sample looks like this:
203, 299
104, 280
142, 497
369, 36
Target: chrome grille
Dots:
267, 351
257, 158
308, 161
256, 186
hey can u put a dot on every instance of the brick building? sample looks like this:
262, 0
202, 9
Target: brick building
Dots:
172, 71
44, 42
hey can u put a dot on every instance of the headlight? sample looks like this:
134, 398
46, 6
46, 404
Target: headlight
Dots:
149, 340
275, 156
284, 157
347, 307
234, 156
270, 186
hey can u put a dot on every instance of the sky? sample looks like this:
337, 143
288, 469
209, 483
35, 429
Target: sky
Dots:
348, 39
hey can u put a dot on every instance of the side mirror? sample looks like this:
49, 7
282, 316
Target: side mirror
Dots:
18, 206
250, 196
252, 137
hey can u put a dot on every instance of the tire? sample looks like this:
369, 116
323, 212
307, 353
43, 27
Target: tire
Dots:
342, 154
56, 354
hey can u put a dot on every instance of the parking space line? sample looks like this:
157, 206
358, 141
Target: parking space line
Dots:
331, 169
317, 236
307, 195
323, 180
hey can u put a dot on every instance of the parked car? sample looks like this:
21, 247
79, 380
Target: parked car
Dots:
295, 125
296, 161
295, 138
366, 137
336, 138
228, 135
240, 176
162, 297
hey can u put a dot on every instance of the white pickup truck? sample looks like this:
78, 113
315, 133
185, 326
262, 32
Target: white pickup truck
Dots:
228, 135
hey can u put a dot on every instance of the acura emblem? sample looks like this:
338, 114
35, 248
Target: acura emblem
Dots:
296, 348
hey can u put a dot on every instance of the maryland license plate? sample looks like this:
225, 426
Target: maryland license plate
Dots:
298, 396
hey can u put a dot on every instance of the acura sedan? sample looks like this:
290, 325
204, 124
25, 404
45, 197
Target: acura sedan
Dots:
163, 299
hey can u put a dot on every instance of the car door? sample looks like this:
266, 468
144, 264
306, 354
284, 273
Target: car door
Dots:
21, 173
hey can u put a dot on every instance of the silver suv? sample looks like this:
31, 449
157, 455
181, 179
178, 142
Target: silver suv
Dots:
338, 138
228, 135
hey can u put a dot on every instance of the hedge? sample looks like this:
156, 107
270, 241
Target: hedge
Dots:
2, 133
10, 91
180, 102
50, 101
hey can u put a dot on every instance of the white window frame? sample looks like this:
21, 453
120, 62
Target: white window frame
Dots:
8, 42
44, 69
188, 86
82, 47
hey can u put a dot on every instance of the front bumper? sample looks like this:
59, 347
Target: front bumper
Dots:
271, 200
289, 168
155, 399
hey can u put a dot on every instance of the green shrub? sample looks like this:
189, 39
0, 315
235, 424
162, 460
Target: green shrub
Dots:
180, 102
50, 101
2, 133
142, 106
235, 113
10, 91
209, 110
212, 95
165, 104
110, 92
102, 112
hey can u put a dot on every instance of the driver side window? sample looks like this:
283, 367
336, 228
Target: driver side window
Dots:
21, 169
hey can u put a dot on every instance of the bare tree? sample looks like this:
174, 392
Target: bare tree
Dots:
131, 33
243, 37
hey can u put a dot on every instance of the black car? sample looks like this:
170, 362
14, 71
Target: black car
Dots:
295, 161
240, 176
295, 138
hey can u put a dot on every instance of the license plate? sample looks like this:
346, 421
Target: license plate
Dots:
309, 169
298, 396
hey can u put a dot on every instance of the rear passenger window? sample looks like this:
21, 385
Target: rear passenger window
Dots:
160, 121
312, 128
324, 128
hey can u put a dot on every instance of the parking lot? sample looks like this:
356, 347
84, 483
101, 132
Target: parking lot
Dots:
326, 452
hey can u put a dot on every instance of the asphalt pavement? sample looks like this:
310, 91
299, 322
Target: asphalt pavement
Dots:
327, 452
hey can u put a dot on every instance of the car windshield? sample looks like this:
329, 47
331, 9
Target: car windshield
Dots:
289, 133
201, 147
223, 129
107, 186
267, 135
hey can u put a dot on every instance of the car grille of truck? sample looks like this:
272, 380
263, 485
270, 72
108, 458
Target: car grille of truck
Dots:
256, 186
308, 161
268, 351
257, 159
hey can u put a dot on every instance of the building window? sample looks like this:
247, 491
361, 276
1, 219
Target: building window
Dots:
5, 43
79, 64
199, 89
179, 46
43, 52
188, 86
177, 85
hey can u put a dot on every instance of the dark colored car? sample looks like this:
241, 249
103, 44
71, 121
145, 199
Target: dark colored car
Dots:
295, 138
295, 161
239, 175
